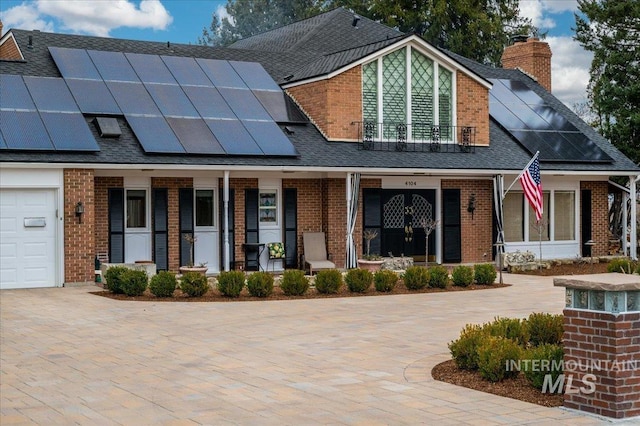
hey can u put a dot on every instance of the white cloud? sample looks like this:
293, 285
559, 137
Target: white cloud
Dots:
89, 17
570, 66
534, 10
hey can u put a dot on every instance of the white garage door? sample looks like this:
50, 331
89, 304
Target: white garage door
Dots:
27, 238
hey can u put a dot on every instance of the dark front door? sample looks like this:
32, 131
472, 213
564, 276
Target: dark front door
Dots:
404, 215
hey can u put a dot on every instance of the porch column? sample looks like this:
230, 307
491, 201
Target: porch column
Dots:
634, 217
625, 225
225, 235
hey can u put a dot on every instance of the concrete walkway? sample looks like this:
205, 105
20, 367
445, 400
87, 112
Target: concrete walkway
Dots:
71, 357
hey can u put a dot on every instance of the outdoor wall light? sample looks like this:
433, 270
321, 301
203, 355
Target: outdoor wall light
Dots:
79, 211
471, 207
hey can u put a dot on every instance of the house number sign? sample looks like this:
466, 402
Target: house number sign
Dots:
410, 183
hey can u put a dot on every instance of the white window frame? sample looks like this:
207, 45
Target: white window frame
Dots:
436, 92
215, 210
147, 208
276, 207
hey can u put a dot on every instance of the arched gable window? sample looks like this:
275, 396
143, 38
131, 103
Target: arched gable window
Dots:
407, 88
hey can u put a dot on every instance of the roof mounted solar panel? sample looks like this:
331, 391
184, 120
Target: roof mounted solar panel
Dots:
24, 130
209, 102
155, 135
107, 127
14, 93
3, 144
186, 71
234, 137
171, 100
255, 76
270, 138
69, 131
133, 98
244, 104
281, 108
51, 94
195, 136
93, 96
221, 73
150, 68
74, 63
113, 66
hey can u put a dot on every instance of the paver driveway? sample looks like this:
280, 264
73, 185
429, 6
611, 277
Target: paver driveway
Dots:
71, 357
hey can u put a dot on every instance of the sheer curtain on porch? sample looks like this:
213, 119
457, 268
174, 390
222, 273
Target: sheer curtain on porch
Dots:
353, 188
498, 187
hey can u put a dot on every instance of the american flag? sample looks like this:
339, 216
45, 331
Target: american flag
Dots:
530, 181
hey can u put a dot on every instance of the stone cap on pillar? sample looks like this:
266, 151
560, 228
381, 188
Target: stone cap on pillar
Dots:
601, 282
614, 293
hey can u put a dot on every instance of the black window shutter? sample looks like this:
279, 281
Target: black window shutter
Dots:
159, 198
232, 239
372, 218
251, 225
185, 199
116, 225
291, 227
585, 225
451, 229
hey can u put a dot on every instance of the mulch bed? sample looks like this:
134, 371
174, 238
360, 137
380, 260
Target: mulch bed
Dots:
215, 296
516, 388
576, 268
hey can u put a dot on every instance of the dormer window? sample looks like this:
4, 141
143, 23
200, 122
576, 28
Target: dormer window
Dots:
407, 90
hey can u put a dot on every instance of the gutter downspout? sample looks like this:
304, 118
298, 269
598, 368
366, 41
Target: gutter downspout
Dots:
634, 217
225, 236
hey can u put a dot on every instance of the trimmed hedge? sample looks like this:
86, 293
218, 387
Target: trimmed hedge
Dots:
509, 328
230, 283
134, 282
484, 273
464, 350
328, 281
163, 284
545, 328
260, 284
113, 278
416, 278
542, 360
194, 284
358, 280
385, 280
438, 276
462, 276
294, 283
494, 354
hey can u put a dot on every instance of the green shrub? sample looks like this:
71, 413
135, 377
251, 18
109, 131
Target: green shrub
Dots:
358, 280
638, 268
163, 284
294, 283
438, 276
230, 283
416, 277
464, 350
509, 328
134, 282
113, 278
194, 284
484, 273
542, 360
462, 276
260, 284
328, 281
545, 328
494, 354
620, 265
385, 280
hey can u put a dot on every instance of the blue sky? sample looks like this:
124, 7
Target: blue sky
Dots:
182, 21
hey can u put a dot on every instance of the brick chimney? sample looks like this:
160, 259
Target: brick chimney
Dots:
532, 56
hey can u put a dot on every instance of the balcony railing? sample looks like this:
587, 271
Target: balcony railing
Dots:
416, 137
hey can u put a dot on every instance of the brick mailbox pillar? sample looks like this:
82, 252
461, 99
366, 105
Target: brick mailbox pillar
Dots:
602, 344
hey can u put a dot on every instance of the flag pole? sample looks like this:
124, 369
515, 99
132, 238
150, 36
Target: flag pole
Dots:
521, 173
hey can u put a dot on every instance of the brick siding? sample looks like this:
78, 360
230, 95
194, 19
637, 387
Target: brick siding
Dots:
472, 103
599, 216
79, 238
605, 338
534, 57
309, 207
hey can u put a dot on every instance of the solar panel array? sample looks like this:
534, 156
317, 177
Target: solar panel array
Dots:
539, 127
183, 105
40, 114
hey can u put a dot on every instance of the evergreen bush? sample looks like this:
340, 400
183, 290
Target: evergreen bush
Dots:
328, 281
462, 276
545, 328
163, 284
294, 283
113, 278
230, 283
416, 278
623, 266
260, 284
484, 273
438, 276
464, 350
358, 280
542, 360
509, 328
385, 280
134, 282
194, 284
494, 354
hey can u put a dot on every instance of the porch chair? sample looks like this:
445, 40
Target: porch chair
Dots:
275, 251
315, 252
